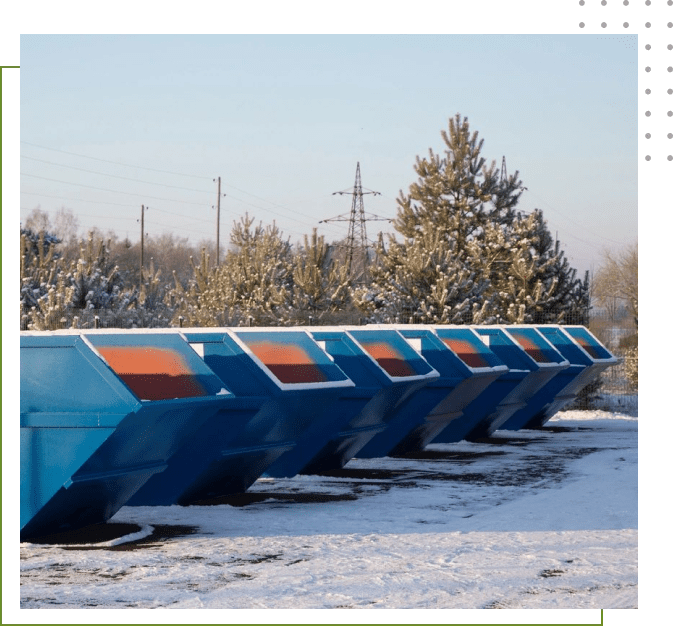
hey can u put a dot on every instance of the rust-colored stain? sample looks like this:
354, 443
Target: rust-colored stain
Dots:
153, 373
389, 359
289, 364
466, 352
532, 349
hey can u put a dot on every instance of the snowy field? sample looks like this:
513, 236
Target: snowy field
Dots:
544, 519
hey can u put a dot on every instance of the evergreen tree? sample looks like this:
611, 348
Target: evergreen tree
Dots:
252, 286
321, 292
530, 277
467, 255
424, 280
38, 269
73, 294
457, 194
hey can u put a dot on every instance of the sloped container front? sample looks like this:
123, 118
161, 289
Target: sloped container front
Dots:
542, 350
284, 384
477, 416
521, 355
101, 413
386, 371
427, 412
588, 356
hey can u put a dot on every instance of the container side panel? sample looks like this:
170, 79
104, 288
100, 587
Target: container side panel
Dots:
49, 457
63, 379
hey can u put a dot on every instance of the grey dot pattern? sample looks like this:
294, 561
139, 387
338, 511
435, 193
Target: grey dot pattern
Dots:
656, 70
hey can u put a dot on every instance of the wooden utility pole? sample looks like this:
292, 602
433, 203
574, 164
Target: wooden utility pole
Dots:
217, 254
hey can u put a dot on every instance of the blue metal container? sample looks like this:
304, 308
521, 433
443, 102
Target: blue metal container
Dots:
540, 366
587, 355
431, 409
385, 370
283, 383
101, 413
542, 350
479, 414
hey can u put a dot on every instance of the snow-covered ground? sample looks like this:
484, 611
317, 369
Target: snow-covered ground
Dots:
527, 520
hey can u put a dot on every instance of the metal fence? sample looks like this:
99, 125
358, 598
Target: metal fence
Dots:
618, 386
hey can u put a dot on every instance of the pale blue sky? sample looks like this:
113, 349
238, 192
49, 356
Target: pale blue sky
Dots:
284, 120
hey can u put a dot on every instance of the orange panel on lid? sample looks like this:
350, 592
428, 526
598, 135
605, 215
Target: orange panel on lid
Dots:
153, 373
290, 364
467, 352
389, 359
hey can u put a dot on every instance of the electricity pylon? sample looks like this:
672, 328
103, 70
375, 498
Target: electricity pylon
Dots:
357, 245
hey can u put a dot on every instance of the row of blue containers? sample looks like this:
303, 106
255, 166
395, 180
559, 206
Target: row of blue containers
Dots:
178, 416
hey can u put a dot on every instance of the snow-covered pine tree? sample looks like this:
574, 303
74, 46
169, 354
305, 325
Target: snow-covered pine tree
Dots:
252, 286
321, 288
94, 276
147, 306
424, 279
429, 276
534, 282
89, 286
38, 269
531, 280
468, 256
457, 193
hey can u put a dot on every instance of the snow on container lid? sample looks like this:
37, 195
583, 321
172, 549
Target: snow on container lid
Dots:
535, 345
588, 342
392, 353
468, 347
156, 367
291, 356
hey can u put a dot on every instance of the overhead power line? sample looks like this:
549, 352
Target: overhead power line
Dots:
126, 193
137, 180
140, 167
